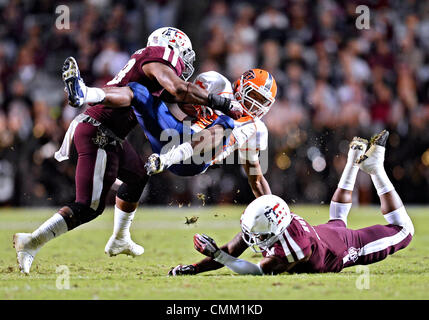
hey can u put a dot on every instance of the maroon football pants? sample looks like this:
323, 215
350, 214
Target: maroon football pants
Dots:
97, 169
367, 245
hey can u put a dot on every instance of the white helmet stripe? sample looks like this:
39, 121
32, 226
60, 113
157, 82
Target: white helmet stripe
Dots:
269, 82
167, 52
175, 58
286, 250
294, 245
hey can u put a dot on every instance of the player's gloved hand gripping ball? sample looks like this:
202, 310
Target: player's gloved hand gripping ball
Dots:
206, 245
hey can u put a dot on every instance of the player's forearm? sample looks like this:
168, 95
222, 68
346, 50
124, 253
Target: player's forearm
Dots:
256, 179
118, 97
187, 92
239, 266
259, 185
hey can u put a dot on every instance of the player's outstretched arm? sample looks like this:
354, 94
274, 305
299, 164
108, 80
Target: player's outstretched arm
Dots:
235, 248
187, 92
207, 246
256, 179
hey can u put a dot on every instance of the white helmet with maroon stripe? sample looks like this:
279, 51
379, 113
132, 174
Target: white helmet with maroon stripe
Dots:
264, 220
177, 40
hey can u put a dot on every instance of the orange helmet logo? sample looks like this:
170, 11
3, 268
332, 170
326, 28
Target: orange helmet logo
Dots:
249, 75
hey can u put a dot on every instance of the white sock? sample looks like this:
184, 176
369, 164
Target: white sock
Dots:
122, 223
399, 217
348, 178
177, 154
381, 181
94, 95
339, 211
51, 228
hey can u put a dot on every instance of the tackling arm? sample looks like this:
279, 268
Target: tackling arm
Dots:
180, 90
187, 92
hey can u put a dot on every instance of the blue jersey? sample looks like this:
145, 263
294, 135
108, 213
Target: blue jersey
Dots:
160, 127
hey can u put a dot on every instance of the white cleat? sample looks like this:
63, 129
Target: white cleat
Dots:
357, 149
373, 159
123, 246
25, 251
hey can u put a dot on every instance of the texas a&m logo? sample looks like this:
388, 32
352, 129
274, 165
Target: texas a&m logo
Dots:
273, 211
175, 35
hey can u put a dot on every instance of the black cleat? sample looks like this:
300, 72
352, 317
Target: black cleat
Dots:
380, 139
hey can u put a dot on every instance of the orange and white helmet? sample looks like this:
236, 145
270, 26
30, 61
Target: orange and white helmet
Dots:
177, 40
264, 220
256, 91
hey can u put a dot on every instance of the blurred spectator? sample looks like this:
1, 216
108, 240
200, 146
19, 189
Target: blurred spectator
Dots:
110, 60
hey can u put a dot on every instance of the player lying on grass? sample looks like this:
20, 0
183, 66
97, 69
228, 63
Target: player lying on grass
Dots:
99, 137
289, 244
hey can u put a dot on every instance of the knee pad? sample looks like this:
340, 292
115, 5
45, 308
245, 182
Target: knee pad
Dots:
131, 193
77, 213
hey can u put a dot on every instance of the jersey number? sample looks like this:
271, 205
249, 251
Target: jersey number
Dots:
302, 222
121, 74
174, 58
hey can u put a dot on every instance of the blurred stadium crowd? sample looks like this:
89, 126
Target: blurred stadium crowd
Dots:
334, 81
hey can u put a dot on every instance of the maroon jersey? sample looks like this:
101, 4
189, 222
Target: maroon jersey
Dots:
301, 239
122, 120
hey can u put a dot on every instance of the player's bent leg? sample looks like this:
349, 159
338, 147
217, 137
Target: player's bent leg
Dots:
67, 218
341, 201
96, 171
372, 162
375, 243
202, 143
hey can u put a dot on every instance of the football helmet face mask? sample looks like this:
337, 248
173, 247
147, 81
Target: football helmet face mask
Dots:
263, 221
256, 91
177, 40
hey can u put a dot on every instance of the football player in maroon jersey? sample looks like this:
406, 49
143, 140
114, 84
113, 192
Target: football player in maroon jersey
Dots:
290, 244
99, 137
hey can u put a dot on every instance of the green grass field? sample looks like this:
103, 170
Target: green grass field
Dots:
168, 242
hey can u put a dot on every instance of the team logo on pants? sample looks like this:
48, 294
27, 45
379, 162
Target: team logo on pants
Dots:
101, 140
353, 254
